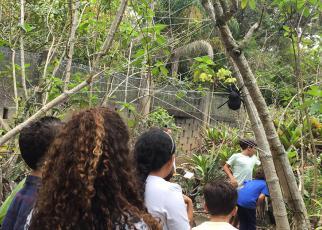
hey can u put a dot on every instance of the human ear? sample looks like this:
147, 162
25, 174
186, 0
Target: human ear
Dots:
234, 211
205, 207
170, 163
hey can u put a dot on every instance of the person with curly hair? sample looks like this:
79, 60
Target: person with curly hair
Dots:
154, 155
89, 181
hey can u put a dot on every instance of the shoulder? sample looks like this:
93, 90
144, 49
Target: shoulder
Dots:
232, 158
259, 183
159, 185
256, 159
237, 155
17, 200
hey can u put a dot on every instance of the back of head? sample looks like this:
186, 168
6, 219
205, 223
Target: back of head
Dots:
35, 139
88, 180
152, 150
220, 198
247, 143
259, 174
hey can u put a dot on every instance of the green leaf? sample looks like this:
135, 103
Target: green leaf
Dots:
244, 4
199, 59
164, 71
252, 4
306, 12
3, 42
286, 28
26, 27
161, 39
5, 206
300, 4
315, 91
159, 27
1, 56
139, 53
155, 71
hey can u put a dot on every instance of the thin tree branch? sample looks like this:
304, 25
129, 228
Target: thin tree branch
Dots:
207, 4
225, 7
115, 24
64, 96
71, 41
251, 31
14, 79
232, 11
4, 125
248, 35
128, 72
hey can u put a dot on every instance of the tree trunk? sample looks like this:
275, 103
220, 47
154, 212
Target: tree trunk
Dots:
22, 51
14, 79
146, 89
265, 155
71, 40
128, 72
282, 165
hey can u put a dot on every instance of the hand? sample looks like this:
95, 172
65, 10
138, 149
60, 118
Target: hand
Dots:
189, 204
187, 200
234, 182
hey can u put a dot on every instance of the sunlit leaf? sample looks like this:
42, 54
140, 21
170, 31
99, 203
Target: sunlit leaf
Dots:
252, 4
243, 4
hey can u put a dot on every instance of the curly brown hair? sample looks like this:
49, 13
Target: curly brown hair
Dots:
89, 179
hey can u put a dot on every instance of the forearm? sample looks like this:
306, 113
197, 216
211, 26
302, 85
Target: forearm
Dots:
190, 211
228, 171
260, 199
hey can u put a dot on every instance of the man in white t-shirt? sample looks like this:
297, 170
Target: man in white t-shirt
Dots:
239, 166
220, 204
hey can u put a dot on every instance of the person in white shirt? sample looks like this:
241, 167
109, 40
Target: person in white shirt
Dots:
220, 204
154, 154
239, 166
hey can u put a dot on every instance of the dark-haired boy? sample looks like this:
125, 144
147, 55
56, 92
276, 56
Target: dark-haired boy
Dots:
240, 166
221, 205
34, 141
250, 195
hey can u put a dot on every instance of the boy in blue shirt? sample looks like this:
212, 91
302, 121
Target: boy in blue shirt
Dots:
251, 194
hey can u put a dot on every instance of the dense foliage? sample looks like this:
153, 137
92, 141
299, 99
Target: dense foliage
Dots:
284, 53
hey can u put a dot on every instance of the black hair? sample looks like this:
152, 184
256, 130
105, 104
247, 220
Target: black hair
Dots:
259, 174
247, 143
35, 139
220, 198
152, 150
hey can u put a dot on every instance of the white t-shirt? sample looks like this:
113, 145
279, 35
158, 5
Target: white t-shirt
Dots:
242, 166
164, 201
210, 225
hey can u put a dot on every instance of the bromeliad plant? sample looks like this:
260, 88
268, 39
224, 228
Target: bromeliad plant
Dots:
291, 137
218, 138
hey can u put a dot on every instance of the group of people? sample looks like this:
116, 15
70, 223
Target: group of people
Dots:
84, 176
